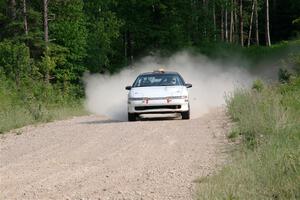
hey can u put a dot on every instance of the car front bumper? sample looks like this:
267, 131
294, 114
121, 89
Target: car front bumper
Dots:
152, 106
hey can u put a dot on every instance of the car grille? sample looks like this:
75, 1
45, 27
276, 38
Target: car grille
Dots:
157, 107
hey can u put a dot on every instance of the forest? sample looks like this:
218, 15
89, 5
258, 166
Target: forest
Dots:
57, 40
46, 46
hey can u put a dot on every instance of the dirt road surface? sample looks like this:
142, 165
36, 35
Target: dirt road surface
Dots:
91, 157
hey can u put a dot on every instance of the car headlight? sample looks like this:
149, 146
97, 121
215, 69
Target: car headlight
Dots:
178, 97
186, 98
135, 98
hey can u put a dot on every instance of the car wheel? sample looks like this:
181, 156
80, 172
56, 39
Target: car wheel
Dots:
131, 117
185, 115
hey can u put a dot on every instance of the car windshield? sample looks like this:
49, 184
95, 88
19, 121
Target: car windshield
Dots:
149, 80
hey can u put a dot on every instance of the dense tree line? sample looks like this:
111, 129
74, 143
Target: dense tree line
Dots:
57, 40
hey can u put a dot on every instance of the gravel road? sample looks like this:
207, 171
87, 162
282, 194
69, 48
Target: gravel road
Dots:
92, 157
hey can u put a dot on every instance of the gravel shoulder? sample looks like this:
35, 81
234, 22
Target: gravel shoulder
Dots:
92, 157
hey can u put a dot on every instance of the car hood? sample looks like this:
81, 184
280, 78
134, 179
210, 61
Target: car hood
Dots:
160, 91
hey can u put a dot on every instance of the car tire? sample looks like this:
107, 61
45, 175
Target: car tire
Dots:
185, 115
131, 117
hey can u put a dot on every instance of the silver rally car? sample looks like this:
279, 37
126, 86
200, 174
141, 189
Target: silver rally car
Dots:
158, 92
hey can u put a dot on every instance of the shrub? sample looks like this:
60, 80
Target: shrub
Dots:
14, 60
284, 75
258, 85
34, 101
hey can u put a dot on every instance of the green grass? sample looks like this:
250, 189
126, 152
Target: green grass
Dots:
267, 163
19, 116
34, 104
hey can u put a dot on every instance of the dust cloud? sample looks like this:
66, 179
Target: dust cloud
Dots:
106, 95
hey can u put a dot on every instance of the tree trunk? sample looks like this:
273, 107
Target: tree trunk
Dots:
222, 24
256, 24
251, 22
226, 25
241, 24
205, 12
12, 13
267, 24
215, 23
46, 36
231, 23
125, 47
46, 29
12, 9
25, 17
235, 22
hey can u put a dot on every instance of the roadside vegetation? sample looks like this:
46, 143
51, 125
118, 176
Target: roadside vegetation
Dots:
266, 163
33, 102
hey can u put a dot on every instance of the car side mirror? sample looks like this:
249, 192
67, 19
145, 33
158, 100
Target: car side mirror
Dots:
188, 85
128, 87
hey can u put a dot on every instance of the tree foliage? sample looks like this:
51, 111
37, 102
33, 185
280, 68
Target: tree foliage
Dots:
15, 60
105, 35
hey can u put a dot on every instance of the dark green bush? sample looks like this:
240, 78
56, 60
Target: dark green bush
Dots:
284, 75
15, 60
